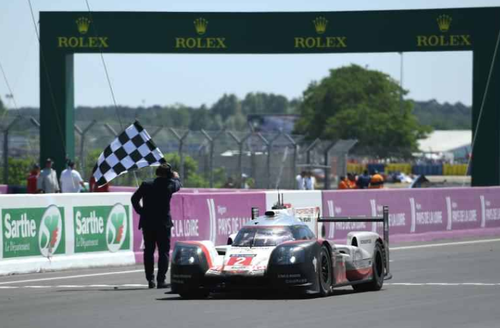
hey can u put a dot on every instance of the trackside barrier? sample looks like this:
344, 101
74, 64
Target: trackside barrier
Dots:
4, 189
455, 169
417, 214
356, 168
63, 231
398, 167
206, 216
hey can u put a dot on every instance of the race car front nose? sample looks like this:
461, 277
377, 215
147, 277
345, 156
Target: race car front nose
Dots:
289, 267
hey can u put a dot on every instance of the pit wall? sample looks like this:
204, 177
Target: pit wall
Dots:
415, 214
64, 231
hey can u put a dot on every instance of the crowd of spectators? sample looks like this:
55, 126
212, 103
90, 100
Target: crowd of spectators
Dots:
45, 181
363, 181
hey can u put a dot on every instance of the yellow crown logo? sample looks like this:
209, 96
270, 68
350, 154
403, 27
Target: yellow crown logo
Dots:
83, 24
444, 22
200, 24
320, 24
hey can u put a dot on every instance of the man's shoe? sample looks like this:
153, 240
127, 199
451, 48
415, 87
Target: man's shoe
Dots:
151, 284
162, 285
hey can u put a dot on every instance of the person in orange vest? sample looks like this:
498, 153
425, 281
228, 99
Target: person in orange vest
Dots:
376, 181
343, 183
351, 180
32, 179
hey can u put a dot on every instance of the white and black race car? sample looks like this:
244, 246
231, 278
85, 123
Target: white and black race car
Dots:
279, 251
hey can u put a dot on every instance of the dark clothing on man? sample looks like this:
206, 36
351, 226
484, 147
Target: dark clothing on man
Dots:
156, 222
363, 181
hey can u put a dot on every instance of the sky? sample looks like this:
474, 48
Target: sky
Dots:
146, 80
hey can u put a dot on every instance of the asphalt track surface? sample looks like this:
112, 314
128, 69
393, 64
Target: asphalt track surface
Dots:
450, 285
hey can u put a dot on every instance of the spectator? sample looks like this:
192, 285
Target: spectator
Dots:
343, 183
351, 181
94, 188
310, 181
364, 180
47, 180
32, 179
229, 183
71, 180
301, 183
376, 181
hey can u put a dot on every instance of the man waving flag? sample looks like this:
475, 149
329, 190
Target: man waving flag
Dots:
131, 150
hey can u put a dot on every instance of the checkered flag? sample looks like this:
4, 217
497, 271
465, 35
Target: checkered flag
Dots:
131, 150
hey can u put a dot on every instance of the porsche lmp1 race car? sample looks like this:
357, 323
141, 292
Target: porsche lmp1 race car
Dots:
277, 251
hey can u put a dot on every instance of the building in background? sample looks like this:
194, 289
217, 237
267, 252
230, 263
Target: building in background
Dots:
446, 145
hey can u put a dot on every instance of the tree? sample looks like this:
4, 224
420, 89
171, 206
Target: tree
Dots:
265, 103
226, 106
357, 103
191, 177
2, 108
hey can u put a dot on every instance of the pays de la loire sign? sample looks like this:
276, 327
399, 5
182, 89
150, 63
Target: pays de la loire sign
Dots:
445, 38
320, 41
101, 228
201, 41
33, 231
83, 41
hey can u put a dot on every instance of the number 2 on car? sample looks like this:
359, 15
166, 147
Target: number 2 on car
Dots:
239, 261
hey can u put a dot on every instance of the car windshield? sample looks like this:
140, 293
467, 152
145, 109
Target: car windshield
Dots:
261, 237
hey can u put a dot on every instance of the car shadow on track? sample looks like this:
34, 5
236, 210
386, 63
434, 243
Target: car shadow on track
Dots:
255, 296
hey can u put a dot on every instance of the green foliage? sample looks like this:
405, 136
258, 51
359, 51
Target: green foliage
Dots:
228, 111
265, 103
2, 108
220, 177
90, 161
191, 177
357, 103
19, 170
226, 106
444, 116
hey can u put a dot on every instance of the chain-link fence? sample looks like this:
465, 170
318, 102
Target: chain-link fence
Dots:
203, 158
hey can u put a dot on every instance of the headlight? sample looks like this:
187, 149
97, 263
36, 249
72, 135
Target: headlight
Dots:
289, 255
187, 255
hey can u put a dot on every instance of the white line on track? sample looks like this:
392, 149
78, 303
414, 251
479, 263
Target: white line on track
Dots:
446, 244
71, 277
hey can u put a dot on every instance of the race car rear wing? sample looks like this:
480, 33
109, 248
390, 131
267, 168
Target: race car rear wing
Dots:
384, 219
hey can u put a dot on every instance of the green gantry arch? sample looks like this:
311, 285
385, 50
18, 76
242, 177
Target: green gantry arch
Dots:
62, 34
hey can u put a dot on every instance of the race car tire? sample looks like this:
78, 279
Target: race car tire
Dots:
378, 267
324, 271
194, 294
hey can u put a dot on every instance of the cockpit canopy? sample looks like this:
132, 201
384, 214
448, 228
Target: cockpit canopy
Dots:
267, 236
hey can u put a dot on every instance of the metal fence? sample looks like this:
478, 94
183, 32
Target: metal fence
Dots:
251, 159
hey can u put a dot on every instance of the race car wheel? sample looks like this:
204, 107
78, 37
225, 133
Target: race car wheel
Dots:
324, 272
378, 268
